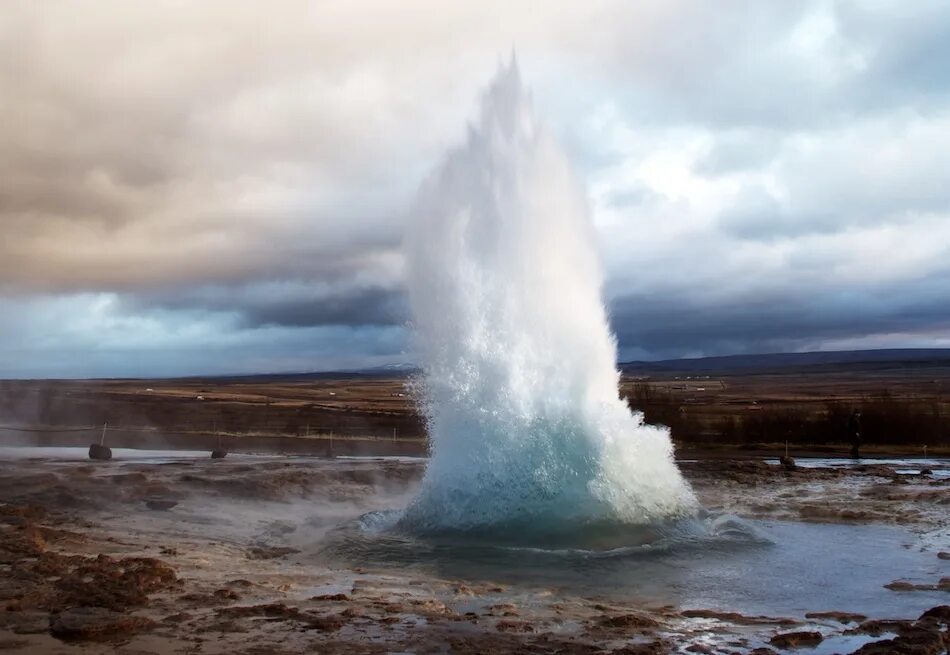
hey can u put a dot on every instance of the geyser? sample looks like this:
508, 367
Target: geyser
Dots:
520, 386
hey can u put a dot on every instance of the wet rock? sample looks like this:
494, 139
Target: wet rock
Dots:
282, 612
913, 641
902, 585
270, 552
21, 541
28, 511
331, 597
103, 453
115, 584
878, 470
508, 625
656, 647
177, 618
13, 520
226, 594
80, 623
840, 617
219, 597
940, 614
827, 513
219, 454
735, 617
429, 605
796, 639
880, 626
31, 623
330, 623
923, 637
943, 554
629, 622
160, 505
270, 610
129, 479
503, 609
13, 644
788, 463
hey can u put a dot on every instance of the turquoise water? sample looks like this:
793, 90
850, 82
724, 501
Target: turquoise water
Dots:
774, 568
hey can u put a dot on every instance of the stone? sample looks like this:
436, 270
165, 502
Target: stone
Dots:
160, 504
796, 639
80, 623
102, 453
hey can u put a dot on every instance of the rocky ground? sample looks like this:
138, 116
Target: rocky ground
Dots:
211, 557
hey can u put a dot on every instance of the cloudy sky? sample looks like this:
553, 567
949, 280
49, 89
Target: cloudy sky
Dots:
222, 187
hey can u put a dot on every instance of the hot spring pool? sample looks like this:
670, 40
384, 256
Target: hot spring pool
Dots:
777, 568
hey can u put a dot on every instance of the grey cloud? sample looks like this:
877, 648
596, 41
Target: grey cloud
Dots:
786, 65
369, 307
285, 304
739, 150
876, 172
666, 327
632, 197
906, 49
757, 214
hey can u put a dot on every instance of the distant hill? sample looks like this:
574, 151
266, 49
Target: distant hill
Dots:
725, 364
857, 359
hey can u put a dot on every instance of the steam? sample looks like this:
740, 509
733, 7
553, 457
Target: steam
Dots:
520, 385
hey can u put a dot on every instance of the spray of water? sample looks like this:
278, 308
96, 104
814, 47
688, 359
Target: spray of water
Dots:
520, 385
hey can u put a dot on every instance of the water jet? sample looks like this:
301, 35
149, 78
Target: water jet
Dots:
520, 385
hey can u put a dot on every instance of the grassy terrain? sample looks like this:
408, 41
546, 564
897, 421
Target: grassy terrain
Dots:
903, 405
899, 405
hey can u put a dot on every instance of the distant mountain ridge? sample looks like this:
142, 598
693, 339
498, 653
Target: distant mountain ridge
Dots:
776, 361
915, 357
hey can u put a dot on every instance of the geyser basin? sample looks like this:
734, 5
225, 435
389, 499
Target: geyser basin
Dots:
520, 388
775, 568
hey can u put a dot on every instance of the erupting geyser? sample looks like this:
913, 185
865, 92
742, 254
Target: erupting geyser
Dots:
520, 384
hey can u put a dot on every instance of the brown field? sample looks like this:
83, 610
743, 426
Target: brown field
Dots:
314, 416
903, 408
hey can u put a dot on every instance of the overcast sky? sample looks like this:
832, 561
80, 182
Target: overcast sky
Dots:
221, 187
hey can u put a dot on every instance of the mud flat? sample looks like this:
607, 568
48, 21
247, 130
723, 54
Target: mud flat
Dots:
168, 554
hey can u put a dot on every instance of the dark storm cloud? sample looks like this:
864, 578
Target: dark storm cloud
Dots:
285, 304
366, 307
788, 323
